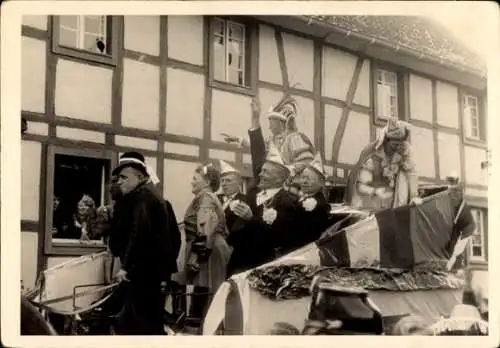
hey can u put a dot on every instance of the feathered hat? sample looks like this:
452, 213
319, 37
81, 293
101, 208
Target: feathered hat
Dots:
226, 168
286, 109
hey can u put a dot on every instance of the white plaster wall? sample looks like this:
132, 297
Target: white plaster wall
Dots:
231, 113
269, 66
356, 137
153, 163
268, 98
222, 155
83, 91
80, 134
185, 38
476, 192
420, 98
141, 95
142, 34
299, 57
31, 152
362, 94
338, 70
29, 252
35, 21
305, 120
177, 185
473, 172
332, 118
449, 154
447, 105
33, 74
183, 149
423, 151
39, 128
185, 98
138, 143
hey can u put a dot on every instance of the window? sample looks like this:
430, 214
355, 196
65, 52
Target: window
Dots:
87, 37
477, 244
387, 94
472, 117
230, 54
77, 187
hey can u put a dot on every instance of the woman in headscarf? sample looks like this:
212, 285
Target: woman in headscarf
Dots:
384, 176
205, 226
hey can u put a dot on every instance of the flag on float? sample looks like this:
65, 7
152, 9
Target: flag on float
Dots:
401, 237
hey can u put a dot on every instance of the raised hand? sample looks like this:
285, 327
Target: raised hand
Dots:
230, 138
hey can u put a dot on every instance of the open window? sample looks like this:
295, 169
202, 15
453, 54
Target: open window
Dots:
477, 245
77, 184
388, 93
231, 48
86, 37
473, 117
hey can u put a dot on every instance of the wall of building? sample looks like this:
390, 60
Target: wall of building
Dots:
156, 100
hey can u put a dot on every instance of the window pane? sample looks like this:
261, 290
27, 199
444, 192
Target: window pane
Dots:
219, 27
476, 251
235, 52
235, 76
93, 25
219, 59
69, 21
90, 43
68, 37
390, 77
235, 32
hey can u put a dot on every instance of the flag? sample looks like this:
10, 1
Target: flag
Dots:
401, 237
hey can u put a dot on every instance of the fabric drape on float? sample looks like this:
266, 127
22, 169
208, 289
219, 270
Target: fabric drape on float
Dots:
397, 238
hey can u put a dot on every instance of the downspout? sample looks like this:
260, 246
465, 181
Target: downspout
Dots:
396, 47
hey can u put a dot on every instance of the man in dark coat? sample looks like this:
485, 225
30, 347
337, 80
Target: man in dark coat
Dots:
231, 195
273, 212
315, 207
149, 256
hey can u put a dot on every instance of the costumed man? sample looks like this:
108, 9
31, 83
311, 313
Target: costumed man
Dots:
294, 146
148, 257
273, 213
315, 207
384, 176
230, 197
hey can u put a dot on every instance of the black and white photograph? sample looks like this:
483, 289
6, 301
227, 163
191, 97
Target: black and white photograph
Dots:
232, 172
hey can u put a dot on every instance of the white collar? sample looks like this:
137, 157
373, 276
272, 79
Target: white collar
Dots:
265, 195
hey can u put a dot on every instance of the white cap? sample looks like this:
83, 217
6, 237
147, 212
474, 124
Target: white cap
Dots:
226, 168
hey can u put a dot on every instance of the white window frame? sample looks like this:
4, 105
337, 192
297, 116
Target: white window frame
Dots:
480, 225
469, 119
387, 108
227, 24
80, 34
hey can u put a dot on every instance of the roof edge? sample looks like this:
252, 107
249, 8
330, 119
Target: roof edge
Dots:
415, 53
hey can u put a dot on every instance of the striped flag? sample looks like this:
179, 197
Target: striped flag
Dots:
398, 238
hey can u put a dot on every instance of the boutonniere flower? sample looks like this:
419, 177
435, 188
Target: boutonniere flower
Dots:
309, 203
269, 215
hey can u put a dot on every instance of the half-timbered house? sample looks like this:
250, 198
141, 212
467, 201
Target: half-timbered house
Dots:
168, 86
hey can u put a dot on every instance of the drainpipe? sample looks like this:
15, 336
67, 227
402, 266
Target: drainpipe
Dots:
396, 47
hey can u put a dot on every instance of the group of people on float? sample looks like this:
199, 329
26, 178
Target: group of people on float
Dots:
233, 232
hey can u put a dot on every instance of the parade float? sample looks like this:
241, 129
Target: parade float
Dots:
398, 256
395, 259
